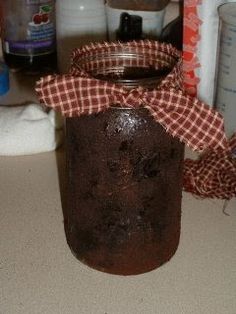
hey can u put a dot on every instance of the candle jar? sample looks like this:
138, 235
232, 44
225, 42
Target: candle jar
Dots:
124, 182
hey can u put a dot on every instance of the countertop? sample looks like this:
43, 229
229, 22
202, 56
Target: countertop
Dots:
39, 274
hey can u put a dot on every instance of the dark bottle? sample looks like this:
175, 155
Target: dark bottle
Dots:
173, 32
28, 35
130, 27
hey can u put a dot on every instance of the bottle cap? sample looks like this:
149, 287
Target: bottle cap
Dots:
130, 27
4, 78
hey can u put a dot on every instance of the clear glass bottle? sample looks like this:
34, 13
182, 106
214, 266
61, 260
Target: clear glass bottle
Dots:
78, 22
28, 34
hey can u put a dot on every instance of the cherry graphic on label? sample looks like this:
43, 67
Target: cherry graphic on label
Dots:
45, 17
37, 19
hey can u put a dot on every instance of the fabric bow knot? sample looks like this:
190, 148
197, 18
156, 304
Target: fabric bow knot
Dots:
182, 116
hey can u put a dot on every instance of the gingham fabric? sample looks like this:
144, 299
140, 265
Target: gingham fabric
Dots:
182, 116
213, 174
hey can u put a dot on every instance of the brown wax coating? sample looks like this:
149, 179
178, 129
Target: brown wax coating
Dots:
124, 191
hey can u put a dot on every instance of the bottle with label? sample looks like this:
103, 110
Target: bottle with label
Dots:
28, 34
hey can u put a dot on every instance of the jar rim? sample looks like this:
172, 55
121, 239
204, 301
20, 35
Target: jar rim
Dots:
108, 62
112, 67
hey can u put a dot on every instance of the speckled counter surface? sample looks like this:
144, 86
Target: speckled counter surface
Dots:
38, 273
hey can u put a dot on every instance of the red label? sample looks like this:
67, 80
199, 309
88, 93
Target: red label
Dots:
192, 23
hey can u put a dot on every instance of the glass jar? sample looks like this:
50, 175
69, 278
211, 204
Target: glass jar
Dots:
124, 182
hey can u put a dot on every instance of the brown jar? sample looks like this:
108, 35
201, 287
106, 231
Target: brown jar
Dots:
124, 190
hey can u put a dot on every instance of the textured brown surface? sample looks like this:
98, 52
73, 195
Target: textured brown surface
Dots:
124, 191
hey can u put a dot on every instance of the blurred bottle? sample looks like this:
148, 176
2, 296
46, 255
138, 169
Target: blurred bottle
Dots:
4, 79
152, 13
28, 35
226, 72
173, 32
138, 5
78, 22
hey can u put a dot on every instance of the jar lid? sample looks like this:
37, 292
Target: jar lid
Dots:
4, 78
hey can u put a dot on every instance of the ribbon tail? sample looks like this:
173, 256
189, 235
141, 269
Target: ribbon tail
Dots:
51, 92
213, 175
187, 118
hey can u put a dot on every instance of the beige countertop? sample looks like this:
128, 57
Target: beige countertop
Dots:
39, 275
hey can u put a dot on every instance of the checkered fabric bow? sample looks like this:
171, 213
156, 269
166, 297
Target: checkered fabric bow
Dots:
213, 174
182, 116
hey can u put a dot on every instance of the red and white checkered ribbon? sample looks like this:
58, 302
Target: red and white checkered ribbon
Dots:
182, 116
213, 174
